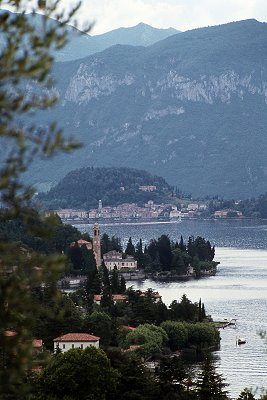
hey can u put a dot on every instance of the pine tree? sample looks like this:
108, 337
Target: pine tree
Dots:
210, 384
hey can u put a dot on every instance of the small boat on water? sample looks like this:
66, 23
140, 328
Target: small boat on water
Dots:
241, 341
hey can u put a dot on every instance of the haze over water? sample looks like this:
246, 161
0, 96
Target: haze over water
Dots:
239, 290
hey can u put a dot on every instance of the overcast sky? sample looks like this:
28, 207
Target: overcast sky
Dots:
179, 14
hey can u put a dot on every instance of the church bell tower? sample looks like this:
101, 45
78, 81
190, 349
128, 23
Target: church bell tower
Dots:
97, 245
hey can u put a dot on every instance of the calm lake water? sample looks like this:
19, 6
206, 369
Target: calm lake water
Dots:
239, 290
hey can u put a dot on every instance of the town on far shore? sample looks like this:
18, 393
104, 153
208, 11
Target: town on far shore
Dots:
150, 211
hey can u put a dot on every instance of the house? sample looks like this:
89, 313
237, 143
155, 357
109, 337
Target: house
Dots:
37, 345
113, 258
75, 341
117, 298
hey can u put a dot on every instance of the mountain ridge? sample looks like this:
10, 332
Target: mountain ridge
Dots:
192, 106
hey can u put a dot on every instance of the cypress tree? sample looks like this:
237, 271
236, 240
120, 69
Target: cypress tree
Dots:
130, 250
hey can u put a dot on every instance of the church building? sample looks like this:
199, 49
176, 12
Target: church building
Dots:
95, 245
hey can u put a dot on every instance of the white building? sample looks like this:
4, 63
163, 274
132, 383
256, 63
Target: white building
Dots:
113, 258
75, 341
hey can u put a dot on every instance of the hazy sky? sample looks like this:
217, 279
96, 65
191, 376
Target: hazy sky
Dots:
179, 14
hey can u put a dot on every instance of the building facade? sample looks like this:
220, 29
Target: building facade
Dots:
114, 258
75, 341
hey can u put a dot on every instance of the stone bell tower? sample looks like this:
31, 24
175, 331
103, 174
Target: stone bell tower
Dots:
97, 245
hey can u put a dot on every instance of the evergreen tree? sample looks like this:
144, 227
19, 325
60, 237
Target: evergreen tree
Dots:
191, 247
76, 257
165, 253
116, 244
96, 286
88, 260
122, 285
199, 311
115, 284
105, 244
181, 245
171, 374
105, 276
139, 247
152, 249
246, 395
210, 385
106, 302
130, 250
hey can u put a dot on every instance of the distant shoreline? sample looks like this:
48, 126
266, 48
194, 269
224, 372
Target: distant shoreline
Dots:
122, 221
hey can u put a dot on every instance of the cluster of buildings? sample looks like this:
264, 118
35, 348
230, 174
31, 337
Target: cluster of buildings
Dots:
132, 211
111, 259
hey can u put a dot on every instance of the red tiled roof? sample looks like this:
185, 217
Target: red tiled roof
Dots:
37, 370
128, 328
77, 337
10, 333
134, 347
37, 343
115, 297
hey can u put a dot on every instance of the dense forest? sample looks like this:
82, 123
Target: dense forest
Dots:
250, 208
83, 188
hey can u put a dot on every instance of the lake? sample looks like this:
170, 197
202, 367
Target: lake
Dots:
239, 290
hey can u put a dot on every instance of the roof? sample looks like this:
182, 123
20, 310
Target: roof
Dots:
77, 337
37, 343
80, 242
115, 297
10, 333
128, 328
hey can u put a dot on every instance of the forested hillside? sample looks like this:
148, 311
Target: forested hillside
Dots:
83, 188
191, 108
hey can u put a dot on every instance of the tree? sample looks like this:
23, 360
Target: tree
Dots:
105, 276
130, 249
115, 283
184, 310
151, 338
171, 374
210, 384
135, 381
122, 285
99, 323
165, 253
84, 374
25, 59
246, 395
177, 334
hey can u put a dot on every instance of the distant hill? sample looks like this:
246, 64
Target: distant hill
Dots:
83, 188
191, 108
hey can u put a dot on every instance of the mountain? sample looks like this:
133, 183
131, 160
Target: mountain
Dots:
80, 44
192, 108
84, 187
